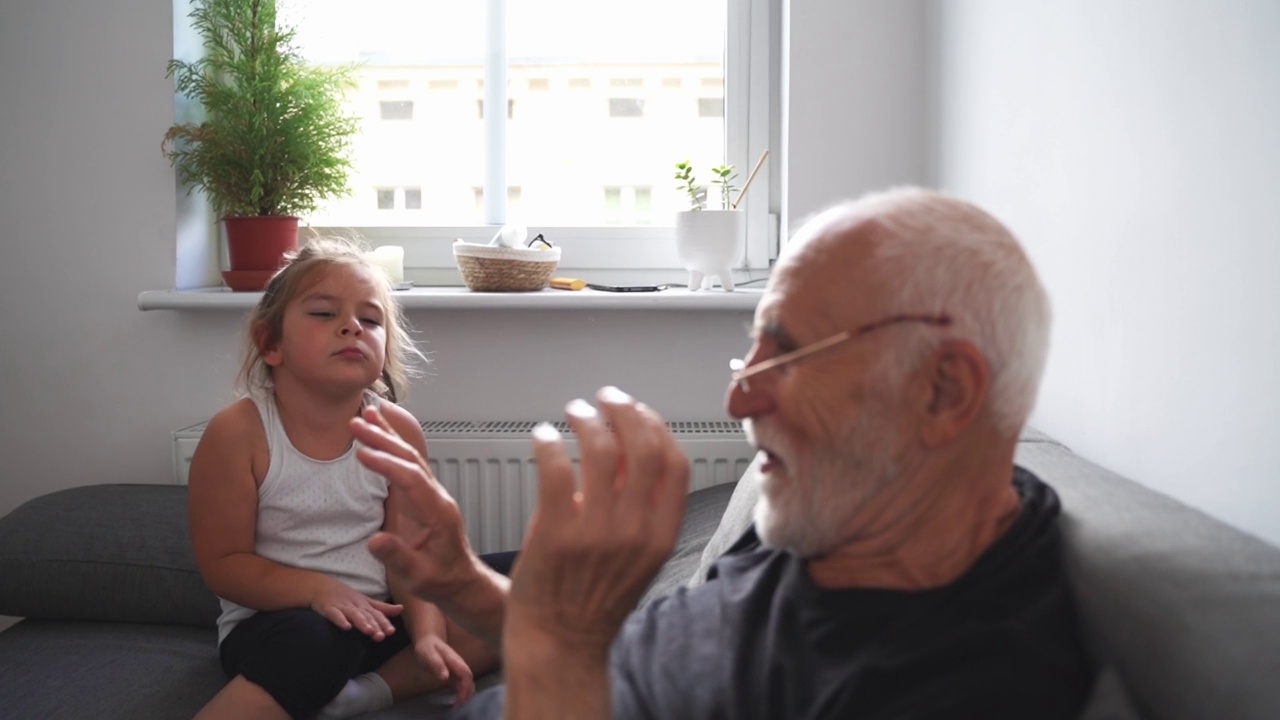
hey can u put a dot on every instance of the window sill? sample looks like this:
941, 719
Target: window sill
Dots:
460, 298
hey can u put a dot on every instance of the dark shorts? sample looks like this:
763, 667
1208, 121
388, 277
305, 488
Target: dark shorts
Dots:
501, 561
301, 659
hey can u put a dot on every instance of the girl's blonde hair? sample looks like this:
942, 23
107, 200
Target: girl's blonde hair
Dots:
265, 323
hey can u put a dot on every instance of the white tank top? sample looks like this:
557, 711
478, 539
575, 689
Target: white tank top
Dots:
316, 515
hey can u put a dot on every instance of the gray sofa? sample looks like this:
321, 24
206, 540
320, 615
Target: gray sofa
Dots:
1182, 613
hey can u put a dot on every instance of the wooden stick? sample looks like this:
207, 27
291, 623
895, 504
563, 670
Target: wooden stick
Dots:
750, 177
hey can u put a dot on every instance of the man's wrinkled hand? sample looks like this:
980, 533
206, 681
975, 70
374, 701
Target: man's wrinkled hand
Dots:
427, 548
593, 547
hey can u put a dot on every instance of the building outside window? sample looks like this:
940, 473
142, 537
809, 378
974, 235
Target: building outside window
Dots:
413, 198
646, 65
395, 109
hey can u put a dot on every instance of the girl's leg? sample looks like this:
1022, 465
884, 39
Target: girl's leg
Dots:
242, 699
295, 658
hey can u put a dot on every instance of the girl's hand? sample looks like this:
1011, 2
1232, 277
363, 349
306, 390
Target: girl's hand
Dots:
346, 608
442, 661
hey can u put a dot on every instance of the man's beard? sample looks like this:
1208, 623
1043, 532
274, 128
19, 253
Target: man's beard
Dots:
811, 508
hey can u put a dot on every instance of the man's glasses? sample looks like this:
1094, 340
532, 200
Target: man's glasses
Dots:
741, 372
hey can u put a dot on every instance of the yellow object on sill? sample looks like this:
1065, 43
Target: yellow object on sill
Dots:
568, 283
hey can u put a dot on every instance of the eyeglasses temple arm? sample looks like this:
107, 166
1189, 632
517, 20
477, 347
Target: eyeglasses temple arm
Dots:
784, 358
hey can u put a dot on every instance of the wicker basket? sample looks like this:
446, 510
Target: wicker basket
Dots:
486, 268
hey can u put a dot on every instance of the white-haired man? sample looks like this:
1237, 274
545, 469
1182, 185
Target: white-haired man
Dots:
900, 566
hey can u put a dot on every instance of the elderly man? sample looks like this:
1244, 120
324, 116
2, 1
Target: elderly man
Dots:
900, 566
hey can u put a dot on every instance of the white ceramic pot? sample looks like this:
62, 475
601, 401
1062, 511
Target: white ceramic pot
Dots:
709, 243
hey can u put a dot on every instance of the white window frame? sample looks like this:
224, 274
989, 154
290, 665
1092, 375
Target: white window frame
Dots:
752, 100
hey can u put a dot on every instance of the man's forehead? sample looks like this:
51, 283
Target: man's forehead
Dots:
830, 276
789, 311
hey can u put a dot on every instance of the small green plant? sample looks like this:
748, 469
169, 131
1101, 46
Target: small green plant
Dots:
684, 173
276, 138
724, 177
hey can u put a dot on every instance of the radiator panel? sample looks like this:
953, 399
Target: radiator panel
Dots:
487, 466
490, 470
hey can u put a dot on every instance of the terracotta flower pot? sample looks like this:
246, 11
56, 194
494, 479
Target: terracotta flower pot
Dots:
257, 246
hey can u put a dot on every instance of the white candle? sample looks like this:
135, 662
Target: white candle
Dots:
391, 259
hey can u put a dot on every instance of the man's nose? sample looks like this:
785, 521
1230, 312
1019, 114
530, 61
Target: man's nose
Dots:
742, 403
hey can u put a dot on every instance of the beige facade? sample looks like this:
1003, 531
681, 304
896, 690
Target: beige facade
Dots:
587, 145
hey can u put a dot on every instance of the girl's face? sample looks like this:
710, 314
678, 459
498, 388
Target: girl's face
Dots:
333, 337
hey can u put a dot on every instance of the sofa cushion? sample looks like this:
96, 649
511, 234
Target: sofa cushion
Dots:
702, 514
113, 553
54, 669
1186, 608
1109, 700
738, 516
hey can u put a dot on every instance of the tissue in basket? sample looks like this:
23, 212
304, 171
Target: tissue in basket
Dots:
486, 268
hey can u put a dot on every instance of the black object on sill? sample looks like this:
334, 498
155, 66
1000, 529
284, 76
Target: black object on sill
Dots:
627, 288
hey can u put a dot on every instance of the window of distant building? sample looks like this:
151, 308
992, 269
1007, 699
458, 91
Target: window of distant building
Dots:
604, 116
395, 109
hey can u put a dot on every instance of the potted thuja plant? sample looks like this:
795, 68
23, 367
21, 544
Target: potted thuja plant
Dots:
275, 139
708, 240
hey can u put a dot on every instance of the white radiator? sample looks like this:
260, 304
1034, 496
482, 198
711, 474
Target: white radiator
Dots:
488, 468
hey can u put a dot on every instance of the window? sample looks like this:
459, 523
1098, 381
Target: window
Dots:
395, 109
513, 199
386, 198
413, 198
608, 108
626, 107
627, 205
711, 107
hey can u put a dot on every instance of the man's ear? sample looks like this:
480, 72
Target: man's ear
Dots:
959, 380
268, 346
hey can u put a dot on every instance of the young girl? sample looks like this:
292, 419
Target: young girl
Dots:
280, 509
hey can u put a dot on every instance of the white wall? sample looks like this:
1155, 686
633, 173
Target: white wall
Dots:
1134, 145
92, 387
858, 100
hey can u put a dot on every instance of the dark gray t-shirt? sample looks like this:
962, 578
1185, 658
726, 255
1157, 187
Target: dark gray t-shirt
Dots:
760, 640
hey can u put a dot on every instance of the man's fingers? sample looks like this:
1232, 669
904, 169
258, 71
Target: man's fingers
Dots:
640, 437
373, 414
425, 497
555, 473
598, 453
401, 560
372, 430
